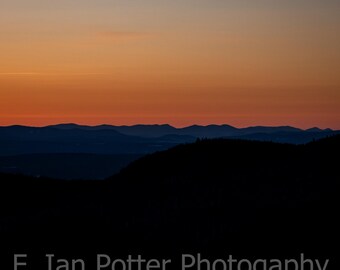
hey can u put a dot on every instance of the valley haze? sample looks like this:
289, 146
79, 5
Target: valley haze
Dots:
71, 151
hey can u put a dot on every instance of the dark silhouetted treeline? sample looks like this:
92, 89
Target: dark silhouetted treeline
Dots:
216, 197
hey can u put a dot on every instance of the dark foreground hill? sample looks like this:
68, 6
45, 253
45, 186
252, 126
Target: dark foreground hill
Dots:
216, 197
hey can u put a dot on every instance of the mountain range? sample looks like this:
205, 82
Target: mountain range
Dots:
209, 131
96, 152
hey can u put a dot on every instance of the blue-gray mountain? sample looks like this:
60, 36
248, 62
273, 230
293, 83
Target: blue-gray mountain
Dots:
74, 151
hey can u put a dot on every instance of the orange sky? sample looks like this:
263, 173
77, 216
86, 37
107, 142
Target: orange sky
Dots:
177, 62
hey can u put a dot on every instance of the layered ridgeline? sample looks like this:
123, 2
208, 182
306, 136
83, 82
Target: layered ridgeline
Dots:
73, 151
224, 196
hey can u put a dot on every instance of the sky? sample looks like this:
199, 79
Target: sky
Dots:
181, 62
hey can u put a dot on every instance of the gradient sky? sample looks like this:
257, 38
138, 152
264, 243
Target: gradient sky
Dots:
182, 62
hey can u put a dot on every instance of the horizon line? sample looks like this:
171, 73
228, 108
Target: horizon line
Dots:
166, 124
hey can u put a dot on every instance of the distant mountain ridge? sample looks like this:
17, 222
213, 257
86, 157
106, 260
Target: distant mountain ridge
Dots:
210, 131
281, 134
52, 147
144, 136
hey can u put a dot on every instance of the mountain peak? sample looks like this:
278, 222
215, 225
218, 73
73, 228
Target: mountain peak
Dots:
314, 129
65, 125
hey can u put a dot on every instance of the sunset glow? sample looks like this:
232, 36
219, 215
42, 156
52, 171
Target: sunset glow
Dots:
176, 62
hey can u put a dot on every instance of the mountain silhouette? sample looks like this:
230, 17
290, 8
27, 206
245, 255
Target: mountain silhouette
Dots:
209, 131
16, 140
45, 151
213, 196
138, 139
194, 130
